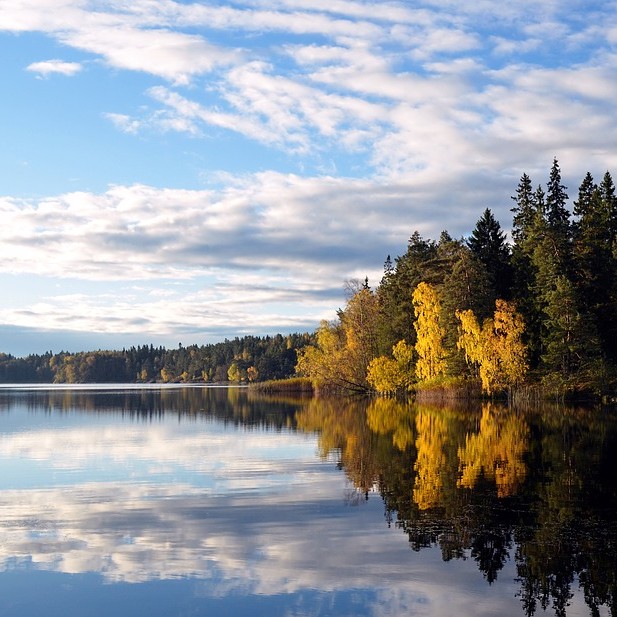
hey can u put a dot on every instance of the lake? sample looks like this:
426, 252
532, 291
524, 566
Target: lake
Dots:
182, 501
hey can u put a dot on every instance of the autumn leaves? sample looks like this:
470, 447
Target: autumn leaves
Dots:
494, 351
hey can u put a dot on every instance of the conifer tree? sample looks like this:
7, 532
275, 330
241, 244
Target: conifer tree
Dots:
595, 267
609, 200
488, 243
528, 212
394, 293
466, 287
524, 211
557, 218
571, 345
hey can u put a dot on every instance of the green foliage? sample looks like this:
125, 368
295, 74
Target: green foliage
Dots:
270, 357
560, 274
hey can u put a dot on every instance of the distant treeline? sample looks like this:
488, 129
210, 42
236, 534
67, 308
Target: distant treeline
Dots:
247, 359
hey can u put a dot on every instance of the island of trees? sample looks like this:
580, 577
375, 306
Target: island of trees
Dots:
532, 317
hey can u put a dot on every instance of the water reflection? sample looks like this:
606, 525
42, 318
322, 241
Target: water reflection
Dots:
493, 484
220, 486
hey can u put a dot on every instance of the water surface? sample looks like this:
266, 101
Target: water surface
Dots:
210, 501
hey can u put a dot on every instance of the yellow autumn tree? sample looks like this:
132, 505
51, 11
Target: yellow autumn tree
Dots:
496, 348
509, 328
430, 334
343, 349
387, 375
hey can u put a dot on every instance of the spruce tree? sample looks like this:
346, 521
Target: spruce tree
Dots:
557, 215
529, 210
466, 287
394, 292
571, 350
595, 267
524, 211
488, 244
557, 218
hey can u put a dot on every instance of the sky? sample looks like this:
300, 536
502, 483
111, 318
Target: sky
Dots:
185, 172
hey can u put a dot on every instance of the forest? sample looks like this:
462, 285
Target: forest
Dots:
532, 316
244, 359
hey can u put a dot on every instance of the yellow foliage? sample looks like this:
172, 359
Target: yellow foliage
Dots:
470, 339
321, 362
384, 375
429, 345
387, 375
403, 354
509, 329
343, 349
496, 348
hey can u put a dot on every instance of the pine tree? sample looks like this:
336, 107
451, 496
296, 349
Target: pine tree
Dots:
488, 243
609, 200
583, 205
557, 218
528, 213
524, 211
466, 287
394, 292
595, 267
557, 214
571, 344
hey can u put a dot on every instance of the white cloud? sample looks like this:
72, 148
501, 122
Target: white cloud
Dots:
125, 123
49, 67
172, 55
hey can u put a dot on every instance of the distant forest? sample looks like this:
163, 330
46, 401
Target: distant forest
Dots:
537, 314
247, 359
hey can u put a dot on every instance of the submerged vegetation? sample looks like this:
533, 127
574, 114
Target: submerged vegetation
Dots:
537, 315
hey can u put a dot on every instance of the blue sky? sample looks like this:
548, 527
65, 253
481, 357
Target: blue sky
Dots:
189, 171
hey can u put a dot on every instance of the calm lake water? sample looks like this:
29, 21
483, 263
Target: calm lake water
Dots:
211, 501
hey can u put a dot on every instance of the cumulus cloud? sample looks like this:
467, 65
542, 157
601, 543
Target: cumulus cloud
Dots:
142, 232
49, 67
262, 254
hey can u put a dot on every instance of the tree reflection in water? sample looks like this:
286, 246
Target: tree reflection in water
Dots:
491, 484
